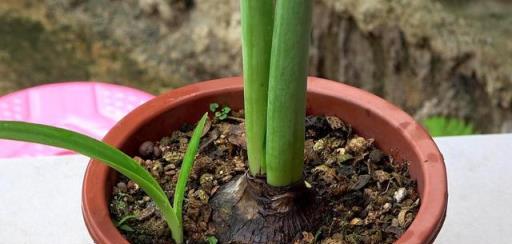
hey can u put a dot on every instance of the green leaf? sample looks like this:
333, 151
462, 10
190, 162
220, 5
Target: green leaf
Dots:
93, 148
442, 126
124, 219
226, 110
214, 107
126, 228
212, 240
186, 166
116, 159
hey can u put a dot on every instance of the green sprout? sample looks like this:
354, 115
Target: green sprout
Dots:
220, 114
275, 57
53, 136
212, 240
214, 107
123, 226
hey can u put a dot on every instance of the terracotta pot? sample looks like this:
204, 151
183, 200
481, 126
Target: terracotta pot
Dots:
394, 131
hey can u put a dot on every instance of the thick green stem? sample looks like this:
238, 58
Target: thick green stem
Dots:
257, 24
287, 92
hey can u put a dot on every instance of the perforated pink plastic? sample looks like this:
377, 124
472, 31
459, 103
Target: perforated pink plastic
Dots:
91, 108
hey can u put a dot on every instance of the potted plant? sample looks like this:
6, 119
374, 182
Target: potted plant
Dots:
281, 198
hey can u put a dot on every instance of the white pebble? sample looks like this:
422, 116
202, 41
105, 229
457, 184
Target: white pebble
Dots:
399, 194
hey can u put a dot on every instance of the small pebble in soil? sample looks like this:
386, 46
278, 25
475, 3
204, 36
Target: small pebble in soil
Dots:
202, 196
401, 217
165, 141
376, 155
335, 239
381, 176
173, 157
399, 194
169, 167
146, 149
357, 145
122, 187
386, 206
157, 152
334, 122
207, 181
356, 221
307, 238
361, 182
319, 145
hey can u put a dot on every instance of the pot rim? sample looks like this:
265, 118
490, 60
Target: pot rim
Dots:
423, 229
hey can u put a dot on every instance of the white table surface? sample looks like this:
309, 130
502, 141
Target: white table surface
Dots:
40, 197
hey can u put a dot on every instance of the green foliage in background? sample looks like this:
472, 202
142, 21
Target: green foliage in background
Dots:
443, 126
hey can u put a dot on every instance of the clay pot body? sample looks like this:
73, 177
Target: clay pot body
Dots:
394, 131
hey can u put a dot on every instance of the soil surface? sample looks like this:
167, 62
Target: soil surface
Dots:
368, 197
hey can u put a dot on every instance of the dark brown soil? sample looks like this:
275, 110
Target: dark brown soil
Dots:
368, 196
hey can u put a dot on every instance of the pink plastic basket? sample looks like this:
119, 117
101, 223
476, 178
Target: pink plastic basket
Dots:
91, 108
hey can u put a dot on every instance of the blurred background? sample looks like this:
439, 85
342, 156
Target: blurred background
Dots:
448, 63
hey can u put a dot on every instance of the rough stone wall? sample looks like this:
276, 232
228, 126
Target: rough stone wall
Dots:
419, 56
428, 58
151, 44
